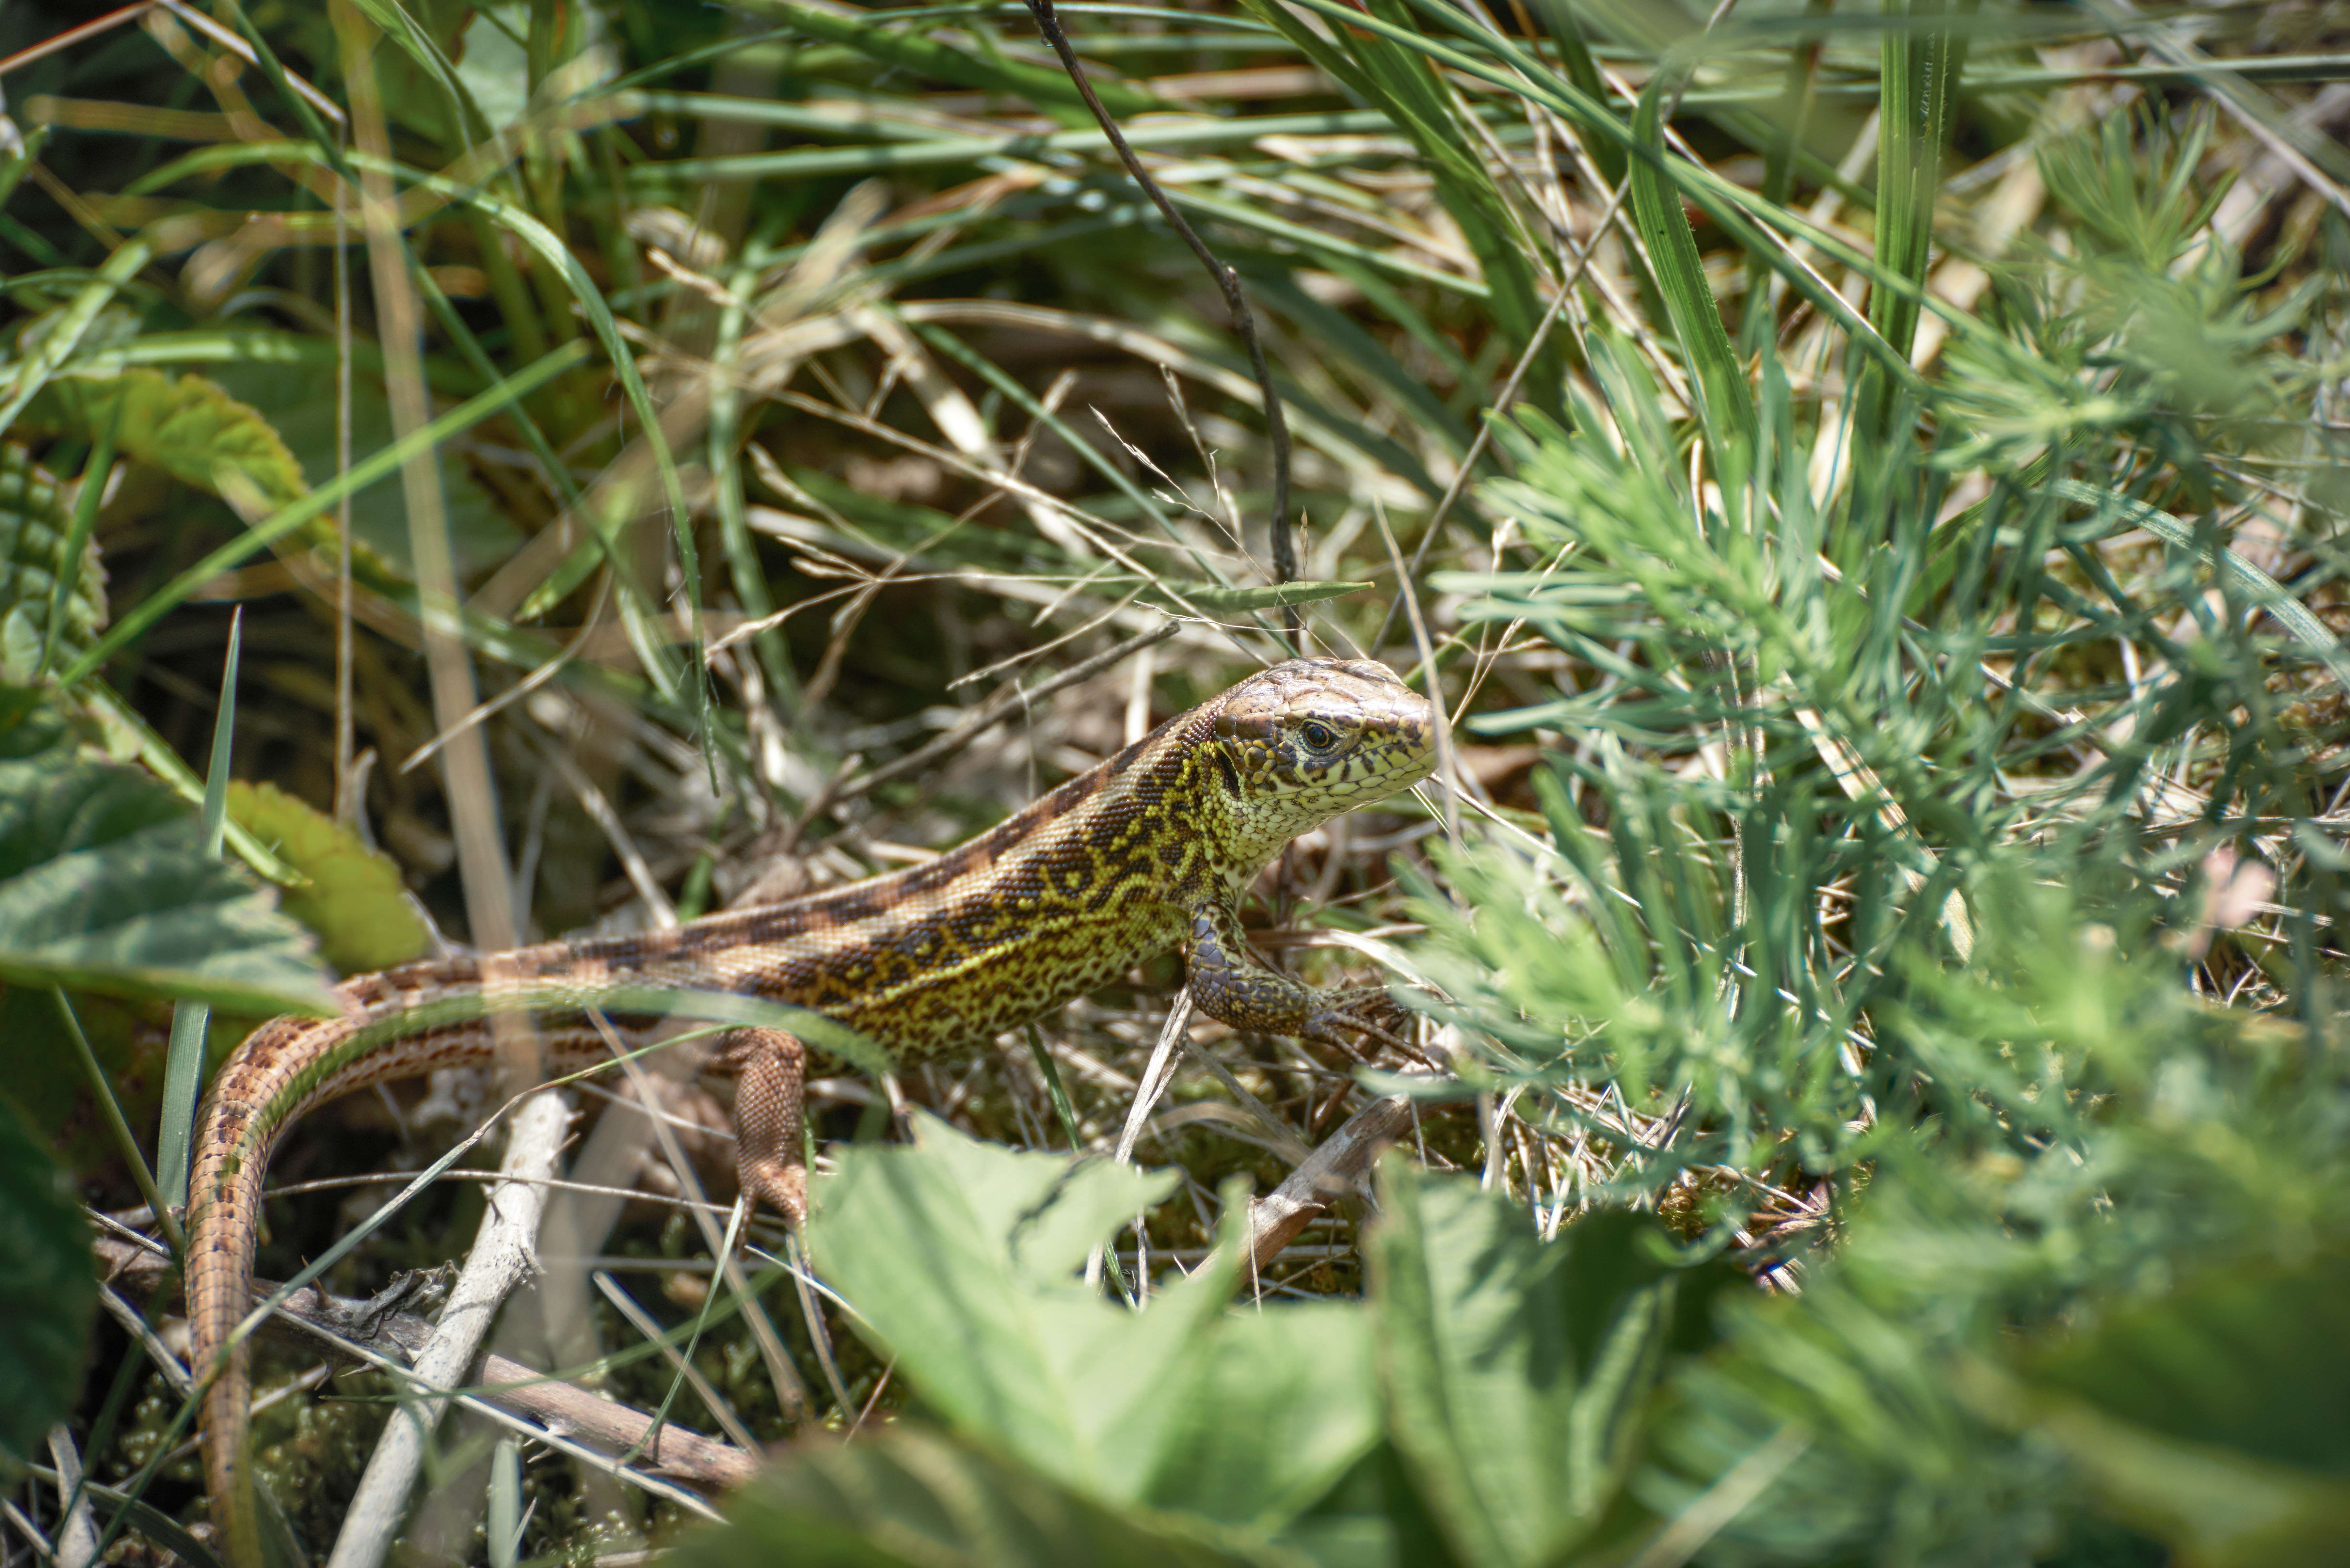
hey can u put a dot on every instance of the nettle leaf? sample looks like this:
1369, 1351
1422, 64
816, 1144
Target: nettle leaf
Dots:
963, 1258
105, 886
35, 523
48, 1292
355, 903
193, 429
2215, 1418
922, 1499
1517, 1370
185, 425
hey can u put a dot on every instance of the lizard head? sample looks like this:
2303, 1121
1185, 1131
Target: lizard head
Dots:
1303, 741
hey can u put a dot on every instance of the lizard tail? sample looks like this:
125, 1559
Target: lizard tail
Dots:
234, 1144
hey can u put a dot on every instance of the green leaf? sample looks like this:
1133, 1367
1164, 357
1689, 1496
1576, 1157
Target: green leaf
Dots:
2216, 1418
2220, 1507
36, 529
48, 1291
301, 512
1515, 1370
104, 886
194, 430
1272, 1408
920, 1499
961, 1260
185, 425
355, 904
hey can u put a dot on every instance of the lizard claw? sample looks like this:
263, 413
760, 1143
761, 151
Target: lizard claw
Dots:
1360, 1012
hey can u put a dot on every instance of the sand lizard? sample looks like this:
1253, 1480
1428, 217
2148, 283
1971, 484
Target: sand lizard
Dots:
1147, 852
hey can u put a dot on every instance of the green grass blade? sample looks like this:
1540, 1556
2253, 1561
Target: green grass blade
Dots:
1725, 408
383, 464
183, 1065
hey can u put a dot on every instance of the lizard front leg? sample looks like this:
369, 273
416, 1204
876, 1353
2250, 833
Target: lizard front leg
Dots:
770, 1069
1232, 986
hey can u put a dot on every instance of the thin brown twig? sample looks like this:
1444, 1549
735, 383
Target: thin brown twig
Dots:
684, 1455
1284, 548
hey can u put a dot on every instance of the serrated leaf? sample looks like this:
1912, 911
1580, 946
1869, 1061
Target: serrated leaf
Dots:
48, 1292
2216, 1418
923, 1499
105, 886
961, 1259
299, 403
34, 527
1514, 1368
355, 904
185, 425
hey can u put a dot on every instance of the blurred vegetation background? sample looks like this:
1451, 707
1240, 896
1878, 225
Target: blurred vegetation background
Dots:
1865, 483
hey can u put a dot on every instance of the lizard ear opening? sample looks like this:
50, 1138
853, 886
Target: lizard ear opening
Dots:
1231, 775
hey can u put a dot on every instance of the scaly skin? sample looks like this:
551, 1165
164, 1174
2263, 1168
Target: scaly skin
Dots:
1147, 852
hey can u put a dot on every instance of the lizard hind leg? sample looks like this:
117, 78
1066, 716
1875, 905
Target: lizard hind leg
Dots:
770, 1070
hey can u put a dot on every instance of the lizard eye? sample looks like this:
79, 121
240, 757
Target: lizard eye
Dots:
1317, 736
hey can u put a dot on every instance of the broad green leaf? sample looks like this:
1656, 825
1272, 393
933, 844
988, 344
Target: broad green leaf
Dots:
104, 886
355, 903
2216, 1418
1268, 1414
49, 1290
921, 1241
2218, 1507
185, 425
290, 518
196, 431
917, 1498
35, 528
961, 1260
1514, 1368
